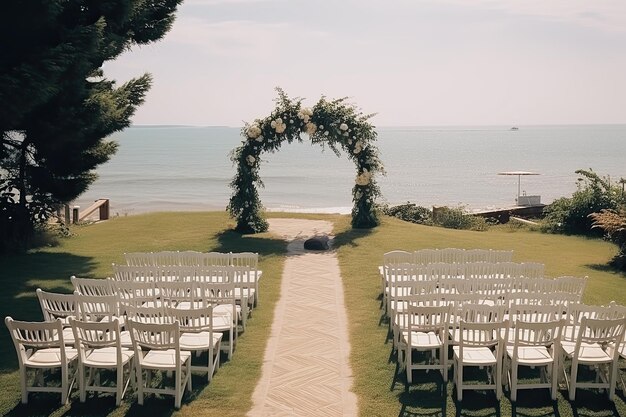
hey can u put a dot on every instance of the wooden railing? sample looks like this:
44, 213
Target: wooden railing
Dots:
75, 215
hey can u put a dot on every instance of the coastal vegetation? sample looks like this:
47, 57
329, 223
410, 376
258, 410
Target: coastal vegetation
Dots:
56, 105
598, 206
381, 391
448, 217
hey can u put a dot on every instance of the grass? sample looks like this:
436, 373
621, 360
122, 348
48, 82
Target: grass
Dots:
93, 248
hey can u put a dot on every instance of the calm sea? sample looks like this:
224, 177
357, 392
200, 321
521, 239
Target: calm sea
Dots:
188, 168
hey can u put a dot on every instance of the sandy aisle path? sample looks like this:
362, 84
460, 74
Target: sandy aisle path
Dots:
306, 370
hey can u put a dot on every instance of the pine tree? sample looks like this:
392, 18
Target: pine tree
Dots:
56, 106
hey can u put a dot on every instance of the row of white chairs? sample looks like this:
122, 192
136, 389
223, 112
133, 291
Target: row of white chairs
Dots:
246, 278
192, 258
393, 272
500, 339
133, 295
165, 344
448, 255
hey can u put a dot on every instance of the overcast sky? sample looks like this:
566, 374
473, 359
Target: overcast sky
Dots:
413, 62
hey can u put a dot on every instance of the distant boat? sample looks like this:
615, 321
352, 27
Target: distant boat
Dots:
515, 128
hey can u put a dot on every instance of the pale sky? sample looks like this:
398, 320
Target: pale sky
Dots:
413, 62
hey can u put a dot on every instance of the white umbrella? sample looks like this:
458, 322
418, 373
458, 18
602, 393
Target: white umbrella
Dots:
519, 176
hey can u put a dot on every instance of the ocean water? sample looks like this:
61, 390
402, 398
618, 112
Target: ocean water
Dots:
188, 168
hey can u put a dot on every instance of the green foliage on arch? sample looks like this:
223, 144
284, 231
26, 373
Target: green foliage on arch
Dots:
336, 124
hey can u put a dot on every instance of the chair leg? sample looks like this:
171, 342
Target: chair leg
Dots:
82, 389
408, 361
23, 385
498, 379
554, 379
443, 361
139, 375
613, 379
64, 383
514, 370
572, 380
459, 380
120, 384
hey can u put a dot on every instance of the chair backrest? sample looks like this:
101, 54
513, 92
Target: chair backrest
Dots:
428, 318
472, 334
601, 331
215, 273
532, 270
397, 257
248, 259
173, 293
192, 320
96, 307
534, 333
94, 335
166, 258
152, 314
136, 273
157, 336
92, 286
190, 258
570, 285
481, 313
215, 259
135, 293
55, 305
37, 335
534, 312
139, 259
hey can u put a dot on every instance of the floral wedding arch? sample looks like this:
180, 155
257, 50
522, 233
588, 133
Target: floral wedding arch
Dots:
335, 124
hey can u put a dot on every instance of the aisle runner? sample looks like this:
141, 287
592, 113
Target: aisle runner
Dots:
306, 370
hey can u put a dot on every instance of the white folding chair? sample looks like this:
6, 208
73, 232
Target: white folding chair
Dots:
480, 345
157, 348
590, 349
427, 331
226, 312
535, 344
100, 348
197, 335
40, 347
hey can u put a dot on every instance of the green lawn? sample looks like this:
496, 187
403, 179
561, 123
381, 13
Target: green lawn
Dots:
90, 252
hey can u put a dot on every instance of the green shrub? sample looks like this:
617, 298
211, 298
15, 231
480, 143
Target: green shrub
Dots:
458, 218
571, 214
410, 212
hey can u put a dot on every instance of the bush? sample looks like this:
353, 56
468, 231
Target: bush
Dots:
458, 218
614, 225
410, 212
571, 214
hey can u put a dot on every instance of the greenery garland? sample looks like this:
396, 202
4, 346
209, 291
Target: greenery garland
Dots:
336, 124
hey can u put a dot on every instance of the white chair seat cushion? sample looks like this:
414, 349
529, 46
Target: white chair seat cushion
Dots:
475, 355
106, 357
163, 359
198, 341
428, 340
45, 358
222, 323
589, 353
531, 355
225, 310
